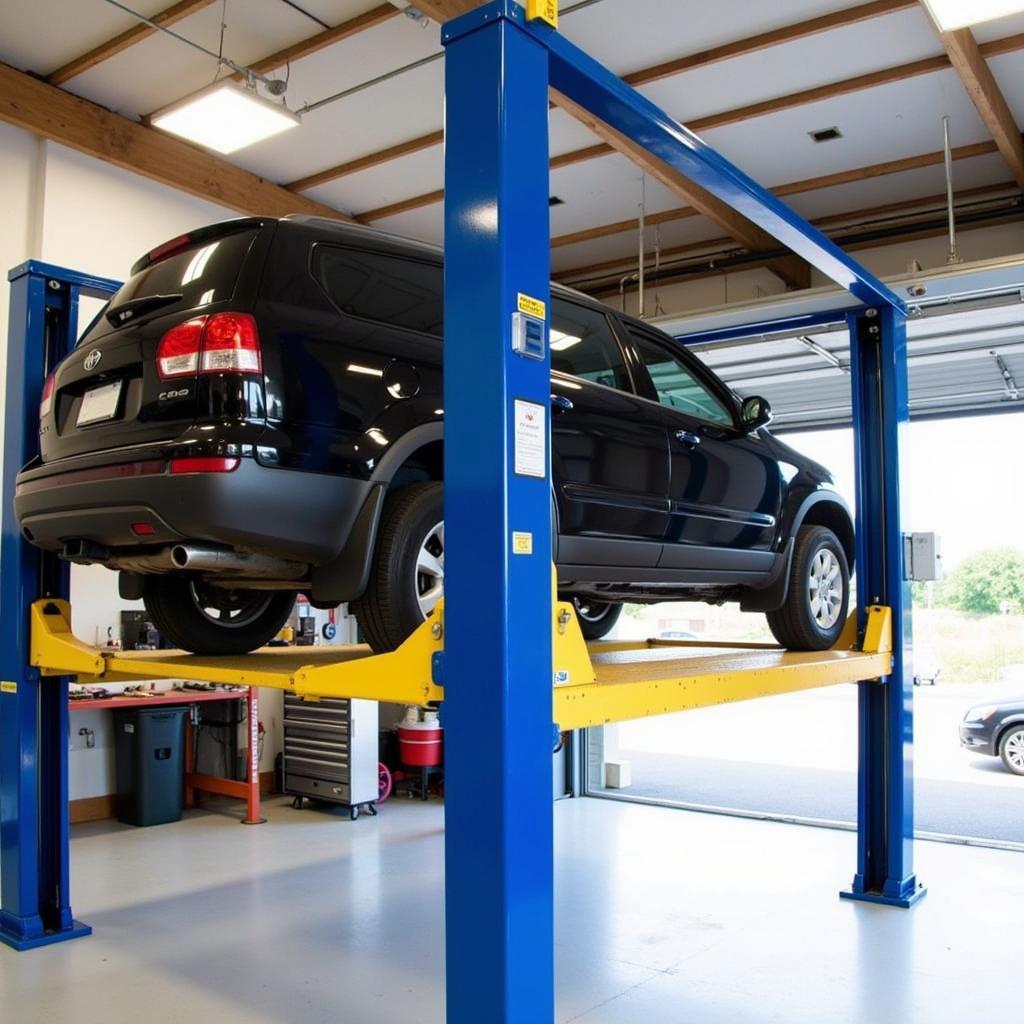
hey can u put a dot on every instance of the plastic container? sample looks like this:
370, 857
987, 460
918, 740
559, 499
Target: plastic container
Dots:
150, 767
420, 743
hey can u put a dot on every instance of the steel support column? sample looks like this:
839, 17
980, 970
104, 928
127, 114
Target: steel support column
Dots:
885, 799
35, 906
497, 660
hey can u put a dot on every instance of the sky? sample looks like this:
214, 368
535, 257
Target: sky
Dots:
964, 479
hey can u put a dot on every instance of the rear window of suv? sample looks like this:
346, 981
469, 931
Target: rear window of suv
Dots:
387, 289
202, 273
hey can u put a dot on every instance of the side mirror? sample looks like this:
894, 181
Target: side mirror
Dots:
755, 412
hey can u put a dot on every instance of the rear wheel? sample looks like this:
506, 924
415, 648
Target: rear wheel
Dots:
205, 619
596, 618
407, 576
819, 593
1011, 750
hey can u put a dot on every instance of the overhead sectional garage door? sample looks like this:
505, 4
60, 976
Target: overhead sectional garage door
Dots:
965, 340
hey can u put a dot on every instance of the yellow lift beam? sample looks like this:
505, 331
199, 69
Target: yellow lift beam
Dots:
605, 682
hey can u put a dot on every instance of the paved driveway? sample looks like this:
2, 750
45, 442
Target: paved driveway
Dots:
797, 755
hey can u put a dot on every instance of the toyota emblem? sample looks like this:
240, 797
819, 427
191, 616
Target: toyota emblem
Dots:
92, 360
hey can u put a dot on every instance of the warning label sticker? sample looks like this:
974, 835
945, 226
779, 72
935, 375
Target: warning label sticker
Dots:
532, 307
530, 439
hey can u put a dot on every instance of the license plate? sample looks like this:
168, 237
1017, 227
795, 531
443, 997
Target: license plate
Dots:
99, 404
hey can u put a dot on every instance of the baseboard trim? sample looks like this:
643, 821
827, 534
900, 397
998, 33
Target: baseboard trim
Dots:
92, 808
98, 808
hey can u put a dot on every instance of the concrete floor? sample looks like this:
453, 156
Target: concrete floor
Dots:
663, 916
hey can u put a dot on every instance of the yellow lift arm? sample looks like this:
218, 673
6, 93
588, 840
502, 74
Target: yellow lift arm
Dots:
605, 682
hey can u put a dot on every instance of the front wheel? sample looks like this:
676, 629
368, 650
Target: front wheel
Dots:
1011, 750
819, 593
596, 618
205, 619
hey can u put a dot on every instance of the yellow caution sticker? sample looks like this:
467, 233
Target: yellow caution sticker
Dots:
532, 307
6, 686
542, 10
522, 543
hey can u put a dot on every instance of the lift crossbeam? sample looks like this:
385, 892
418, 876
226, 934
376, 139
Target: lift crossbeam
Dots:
594, 686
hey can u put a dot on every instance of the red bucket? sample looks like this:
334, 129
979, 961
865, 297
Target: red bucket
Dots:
420, 748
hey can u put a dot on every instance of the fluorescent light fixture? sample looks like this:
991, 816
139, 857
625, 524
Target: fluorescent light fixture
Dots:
226, 117
560, 341
953, 14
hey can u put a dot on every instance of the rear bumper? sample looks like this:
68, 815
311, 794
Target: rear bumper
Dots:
305, 517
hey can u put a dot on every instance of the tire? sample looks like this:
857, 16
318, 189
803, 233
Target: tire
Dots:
210, 620
407, 575
1011, 750
802, 624
596, 618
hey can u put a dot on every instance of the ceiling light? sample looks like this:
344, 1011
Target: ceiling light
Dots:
953, 14
226, 117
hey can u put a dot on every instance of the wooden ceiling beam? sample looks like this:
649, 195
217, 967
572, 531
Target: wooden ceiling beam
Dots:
644, 76
969, 61
45, 110
858, 83
864, 173
713, 245
98, 54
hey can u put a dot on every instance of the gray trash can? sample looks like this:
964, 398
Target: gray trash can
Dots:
149, 758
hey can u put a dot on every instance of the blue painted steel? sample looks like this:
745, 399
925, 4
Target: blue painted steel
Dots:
885, 797
804, 322
35, 905
595, 88
497, 660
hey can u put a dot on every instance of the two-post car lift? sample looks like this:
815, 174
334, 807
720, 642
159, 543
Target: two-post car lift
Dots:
503, 657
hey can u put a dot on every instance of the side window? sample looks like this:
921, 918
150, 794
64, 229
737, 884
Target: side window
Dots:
388, 289
676, 384
582, 345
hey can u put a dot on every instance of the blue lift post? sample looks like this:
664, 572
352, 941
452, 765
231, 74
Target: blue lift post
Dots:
497, 660
35, 903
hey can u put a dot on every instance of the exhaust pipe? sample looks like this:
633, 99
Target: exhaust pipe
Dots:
219, 561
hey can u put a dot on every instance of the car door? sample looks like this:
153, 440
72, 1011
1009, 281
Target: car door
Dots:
725, 486
610, 461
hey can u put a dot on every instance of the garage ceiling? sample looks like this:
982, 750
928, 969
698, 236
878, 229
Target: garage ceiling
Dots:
753, 80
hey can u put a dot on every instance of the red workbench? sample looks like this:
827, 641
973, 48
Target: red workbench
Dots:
249, 790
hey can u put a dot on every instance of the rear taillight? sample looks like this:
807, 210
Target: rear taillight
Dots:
231, 344
222, 343
177, 355
46, 398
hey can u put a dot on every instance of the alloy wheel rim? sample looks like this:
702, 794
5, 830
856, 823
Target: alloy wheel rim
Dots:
430, 570
229, 609
1015, 750
825, 588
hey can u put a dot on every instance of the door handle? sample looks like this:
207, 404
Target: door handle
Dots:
561, 403
687, 437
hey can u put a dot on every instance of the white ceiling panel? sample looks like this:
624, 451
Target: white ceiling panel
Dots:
1008, 70
43, 35
380, 186
879, 124
426, 224
625, 34
161, 69
803, 64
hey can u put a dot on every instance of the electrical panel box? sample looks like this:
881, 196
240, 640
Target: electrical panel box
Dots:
528, 335
922, 555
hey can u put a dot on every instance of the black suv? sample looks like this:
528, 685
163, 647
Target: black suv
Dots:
257, 413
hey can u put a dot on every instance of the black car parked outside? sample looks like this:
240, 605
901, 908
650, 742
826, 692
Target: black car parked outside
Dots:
996, 730
258, 413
